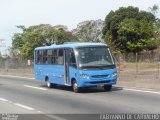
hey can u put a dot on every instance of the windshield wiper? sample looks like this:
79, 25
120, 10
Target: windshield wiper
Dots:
99, 66
88, 66
106, 66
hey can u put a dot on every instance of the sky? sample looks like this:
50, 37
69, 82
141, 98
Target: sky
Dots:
55, 12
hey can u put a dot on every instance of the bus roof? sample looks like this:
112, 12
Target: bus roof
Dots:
71, 45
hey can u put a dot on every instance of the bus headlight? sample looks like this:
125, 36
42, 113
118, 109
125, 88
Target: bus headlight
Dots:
113, 74
85, 76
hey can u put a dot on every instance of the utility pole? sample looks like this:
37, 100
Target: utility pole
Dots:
2, 44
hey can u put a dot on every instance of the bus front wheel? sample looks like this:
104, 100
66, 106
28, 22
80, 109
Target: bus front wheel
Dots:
107, 87
76, 89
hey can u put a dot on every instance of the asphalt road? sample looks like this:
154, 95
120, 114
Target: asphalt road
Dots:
28, 96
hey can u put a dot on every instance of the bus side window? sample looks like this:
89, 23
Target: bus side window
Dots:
44, 57
37, 57
41, 56
60, 57
55, 57
49, 57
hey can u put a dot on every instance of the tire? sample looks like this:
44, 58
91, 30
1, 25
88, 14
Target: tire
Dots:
49, 84
107, 87
76, 89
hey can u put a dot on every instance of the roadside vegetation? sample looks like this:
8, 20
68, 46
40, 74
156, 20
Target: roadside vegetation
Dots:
127, 30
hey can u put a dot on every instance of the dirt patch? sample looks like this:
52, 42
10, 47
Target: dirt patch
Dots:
18, 72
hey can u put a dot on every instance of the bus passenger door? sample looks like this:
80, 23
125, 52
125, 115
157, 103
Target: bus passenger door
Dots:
66, 66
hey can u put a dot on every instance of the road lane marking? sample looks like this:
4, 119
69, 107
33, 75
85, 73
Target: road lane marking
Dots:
55, 117
21, 105
39, 88
145, 91
40, 112
24, 106
125, 88
4, 100
16, 76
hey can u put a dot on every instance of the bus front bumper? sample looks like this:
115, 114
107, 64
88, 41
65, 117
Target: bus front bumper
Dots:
92, 83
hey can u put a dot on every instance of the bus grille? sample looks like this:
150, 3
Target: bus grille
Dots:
100, 76
98, 82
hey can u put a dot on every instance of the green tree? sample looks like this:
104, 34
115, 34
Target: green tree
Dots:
128, 28
155, 10
38, 35
135, 35
17, 41
89, 31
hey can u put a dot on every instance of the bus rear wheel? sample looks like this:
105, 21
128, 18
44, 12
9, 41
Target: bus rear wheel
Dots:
107, 87
49, 84
76, 89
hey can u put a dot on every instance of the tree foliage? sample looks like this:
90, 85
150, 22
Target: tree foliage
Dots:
38, 35
129, 29
89, 31
155, 10
135, 35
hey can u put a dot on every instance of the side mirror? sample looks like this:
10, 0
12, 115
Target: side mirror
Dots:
74, 65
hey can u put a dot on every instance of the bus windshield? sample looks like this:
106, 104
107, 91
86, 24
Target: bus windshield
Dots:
95, 57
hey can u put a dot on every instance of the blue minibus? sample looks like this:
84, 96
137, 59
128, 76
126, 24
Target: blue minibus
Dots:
75, 64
